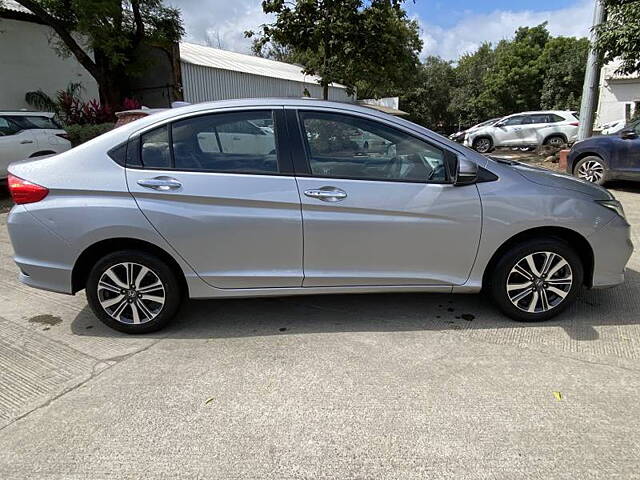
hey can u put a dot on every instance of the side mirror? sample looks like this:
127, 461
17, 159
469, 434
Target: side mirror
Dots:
466, 172
499, 124
628, 134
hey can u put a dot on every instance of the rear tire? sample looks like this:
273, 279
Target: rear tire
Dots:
592, 169
133, 292
483, 145
536, 294
556, 141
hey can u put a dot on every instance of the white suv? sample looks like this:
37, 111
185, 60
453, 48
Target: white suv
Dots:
527, 129
29, 134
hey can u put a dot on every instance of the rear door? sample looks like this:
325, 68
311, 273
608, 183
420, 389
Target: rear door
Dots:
230, 210
383, 216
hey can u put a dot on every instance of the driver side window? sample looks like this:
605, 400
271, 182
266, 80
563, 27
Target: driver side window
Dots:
342, 146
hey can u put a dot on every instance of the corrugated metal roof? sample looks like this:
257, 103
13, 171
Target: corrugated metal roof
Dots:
238, 62
15, 6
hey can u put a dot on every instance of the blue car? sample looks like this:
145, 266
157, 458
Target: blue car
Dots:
607, 157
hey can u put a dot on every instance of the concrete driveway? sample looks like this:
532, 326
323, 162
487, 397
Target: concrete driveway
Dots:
372, 386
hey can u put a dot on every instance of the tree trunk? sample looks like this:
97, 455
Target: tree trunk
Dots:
325, 92
110, 82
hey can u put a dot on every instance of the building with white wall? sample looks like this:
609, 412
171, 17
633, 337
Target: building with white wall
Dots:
212, 74
619, 95
29, 61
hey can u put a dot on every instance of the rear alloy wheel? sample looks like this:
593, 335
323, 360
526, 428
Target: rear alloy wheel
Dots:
537, 280
591, 169
556, 142
133, 292
482, 145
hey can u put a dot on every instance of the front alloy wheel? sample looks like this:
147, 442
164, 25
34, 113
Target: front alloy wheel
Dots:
539, 282
591, 170
133, 291
482, 145
537, 279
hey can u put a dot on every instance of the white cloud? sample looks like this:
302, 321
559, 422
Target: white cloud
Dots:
474, 29
223, 23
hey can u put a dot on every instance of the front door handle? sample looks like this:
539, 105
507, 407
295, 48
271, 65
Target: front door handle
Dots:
162, 184
25, 142
326, 194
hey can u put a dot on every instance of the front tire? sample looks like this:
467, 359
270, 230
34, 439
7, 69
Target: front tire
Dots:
483, 145
537, 280
133, 292
592, 169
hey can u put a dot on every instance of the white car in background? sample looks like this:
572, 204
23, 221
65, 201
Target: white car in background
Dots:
29, 134
527, 129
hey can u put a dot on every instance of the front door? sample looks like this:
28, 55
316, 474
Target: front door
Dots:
383, 216
232, 214
510, 132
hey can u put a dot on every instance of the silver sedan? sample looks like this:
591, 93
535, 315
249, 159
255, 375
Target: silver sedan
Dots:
201, 202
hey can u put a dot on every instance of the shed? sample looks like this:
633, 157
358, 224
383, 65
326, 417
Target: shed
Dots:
210, 74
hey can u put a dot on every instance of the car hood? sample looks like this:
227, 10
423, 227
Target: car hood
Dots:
548, 178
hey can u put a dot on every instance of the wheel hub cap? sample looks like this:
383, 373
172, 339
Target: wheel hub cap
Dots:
591, 171
539, 282
131, 293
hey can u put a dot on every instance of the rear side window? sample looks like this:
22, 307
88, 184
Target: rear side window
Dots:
226, 142
556, 118
154, 148
31, 122
538, 118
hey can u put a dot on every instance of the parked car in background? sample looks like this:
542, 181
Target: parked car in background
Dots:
139, 226
462, 135
607, 157
29, 134
613, 127
527, 129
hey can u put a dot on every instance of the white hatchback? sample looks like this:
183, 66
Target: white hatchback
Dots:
527, 129
29, 134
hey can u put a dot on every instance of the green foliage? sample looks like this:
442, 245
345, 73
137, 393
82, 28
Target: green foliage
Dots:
83, 133
469, 84
106, 36
428, 103
371, 46
619, 35
515, 81
532, 71
563, 62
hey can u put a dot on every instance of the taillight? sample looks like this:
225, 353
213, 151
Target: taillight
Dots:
23, 191
63, 135
575, 124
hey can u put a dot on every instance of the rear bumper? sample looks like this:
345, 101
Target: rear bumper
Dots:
612, 248
39, 253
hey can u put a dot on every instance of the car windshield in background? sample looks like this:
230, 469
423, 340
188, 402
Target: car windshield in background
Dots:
29, 122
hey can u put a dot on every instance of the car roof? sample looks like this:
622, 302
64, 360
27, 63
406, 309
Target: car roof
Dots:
169, 113
25, 113
541, 112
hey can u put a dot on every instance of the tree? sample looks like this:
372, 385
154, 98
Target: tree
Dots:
619, 36
429, 102
469, 83
563, 62
373, 46
107, 36
514, 84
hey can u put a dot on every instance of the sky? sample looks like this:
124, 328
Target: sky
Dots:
448, 28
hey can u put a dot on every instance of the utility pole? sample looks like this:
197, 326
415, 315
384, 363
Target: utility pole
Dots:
591, 86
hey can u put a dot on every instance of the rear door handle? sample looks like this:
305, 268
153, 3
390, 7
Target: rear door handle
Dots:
162, 184
326, 194
24, 142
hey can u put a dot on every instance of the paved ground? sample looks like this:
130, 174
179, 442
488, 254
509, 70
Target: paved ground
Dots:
375, 386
